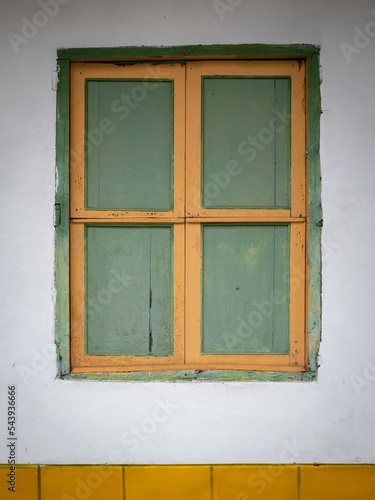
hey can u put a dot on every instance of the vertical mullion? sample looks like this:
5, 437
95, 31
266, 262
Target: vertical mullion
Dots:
179, 250
179, 146
193, 138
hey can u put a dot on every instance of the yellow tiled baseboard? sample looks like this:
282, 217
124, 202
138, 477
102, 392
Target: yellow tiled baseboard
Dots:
188, 482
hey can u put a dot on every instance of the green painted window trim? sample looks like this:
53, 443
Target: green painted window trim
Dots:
311, 54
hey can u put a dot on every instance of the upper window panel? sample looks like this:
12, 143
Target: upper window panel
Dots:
131, 166
246, 126
246, 129
127, 140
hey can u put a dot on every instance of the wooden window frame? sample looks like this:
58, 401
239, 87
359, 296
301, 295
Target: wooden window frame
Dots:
304, 217
81, 217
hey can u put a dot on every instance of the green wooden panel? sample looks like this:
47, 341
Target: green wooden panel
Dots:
161, 283
245, 50
62, 230
315, 215
245, 289
129, 290
246, 142
129, 145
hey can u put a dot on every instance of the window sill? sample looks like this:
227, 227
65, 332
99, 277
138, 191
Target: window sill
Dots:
198, 375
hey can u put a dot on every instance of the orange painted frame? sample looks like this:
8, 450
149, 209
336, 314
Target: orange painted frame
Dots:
79, 73
187, 237
82, 363
195, 70
79, 216
296, 216
295, 361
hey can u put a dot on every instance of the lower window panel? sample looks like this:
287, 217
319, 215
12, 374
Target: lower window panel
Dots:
129, 290
211, 296
245, 289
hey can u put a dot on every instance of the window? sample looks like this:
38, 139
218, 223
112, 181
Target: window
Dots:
189, 218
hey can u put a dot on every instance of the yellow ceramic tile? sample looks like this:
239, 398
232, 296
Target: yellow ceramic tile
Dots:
341, 482
260, 482
167, 483
26, 483
73, 483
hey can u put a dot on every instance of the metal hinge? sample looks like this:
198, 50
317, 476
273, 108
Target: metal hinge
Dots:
57, 215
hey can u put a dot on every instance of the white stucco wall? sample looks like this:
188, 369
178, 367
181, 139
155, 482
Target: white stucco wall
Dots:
90, 422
